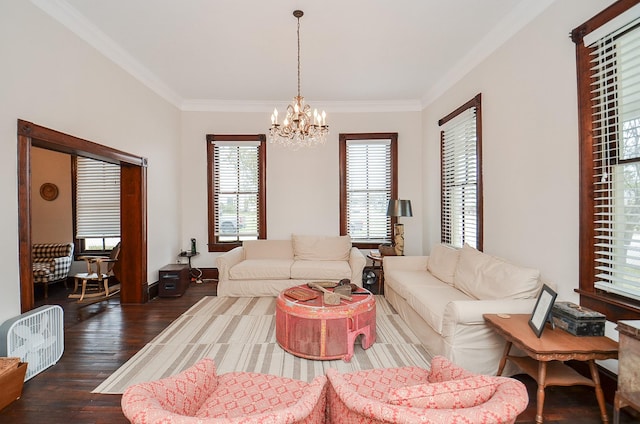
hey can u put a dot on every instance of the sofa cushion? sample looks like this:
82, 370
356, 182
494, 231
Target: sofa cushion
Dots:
425, 293
320, 270
442, 262
268, 249
261, 269
483, 276
321, 248
452, 394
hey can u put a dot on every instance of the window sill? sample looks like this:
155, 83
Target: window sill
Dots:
223, 247
615, 307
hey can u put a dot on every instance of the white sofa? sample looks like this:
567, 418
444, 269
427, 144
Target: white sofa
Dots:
442, 298
266, 267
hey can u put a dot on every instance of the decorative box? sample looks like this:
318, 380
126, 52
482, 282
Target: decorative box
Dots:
578, 320
11, 380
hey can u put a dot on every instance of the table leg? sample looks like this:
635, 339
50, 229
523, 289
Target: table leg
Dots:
503, 361
542, 376
595, 376
84, 289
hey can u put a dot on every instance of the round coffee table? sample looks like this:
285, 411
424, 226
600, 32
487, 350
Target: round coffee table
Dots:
313, 330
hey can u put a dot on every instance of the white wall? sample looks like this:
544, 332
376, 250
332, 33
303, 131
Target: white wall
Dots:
52, 78
302, 186
530, 145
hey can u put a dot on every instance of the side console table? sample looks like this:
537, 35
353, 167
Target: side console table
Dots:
628, 393
174, 280
546, 356
376, 260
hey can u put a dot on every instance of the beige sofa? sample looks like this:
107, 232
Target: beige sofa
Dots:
442, 298
266, 267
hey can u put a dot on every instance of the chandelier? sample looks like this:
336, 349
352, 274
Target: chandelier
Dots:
300, 127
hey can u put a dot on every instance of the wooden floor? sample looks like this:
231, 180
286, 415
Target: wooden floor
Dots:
101, 337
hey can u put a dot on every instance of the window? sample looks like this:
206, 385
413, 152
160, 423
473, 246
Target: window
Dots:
97, 205
368, 179
461, 176
237, 189
608, 71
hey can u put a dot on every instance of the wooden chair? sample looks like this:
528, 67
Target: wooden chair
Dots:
95, 282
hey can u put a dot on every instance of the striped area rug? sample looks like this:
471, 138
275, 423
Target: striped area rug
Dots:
239, 334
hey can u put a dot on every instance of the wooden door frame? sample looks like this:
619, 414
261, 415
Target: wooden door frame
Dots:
133, 200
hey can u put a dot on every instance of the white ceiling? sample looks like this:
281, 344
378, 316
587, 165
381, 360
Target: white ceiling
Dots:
209, 54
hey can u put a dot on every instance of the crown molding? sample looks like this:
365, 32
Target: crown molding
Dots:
523, 14
77, 23
207, 105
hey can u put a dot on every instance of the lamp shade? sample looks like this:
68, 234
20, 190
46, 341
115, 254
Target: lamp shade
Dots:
399, 208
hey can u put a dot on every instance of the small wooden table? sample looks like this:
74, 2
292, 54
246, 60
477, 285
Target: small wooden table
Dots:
314, 330
376, 258
547, 354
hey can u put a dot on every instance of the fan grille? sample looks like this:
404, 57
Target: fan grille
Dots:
36, 337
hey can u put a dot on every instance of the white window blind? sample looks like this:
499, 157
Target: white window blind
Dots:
368, 189
236, 185
97, 199
460, 180
616, 146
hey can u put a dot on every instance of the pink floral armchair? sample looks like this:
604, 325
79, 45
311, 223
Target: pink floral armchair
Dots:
444, 394
199, 395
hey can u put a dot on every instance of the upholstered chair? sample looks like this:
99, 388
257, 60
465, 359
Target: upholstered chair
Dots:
200, 395
51, 263
444, 394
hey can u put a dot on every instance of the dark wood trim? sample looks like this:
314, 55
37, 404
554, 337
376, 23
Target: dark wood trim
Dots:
65, 143
342, 157
589, 296
613, 306
213, 244
476, 102
611, 12
24, 223
133, 224
134, 228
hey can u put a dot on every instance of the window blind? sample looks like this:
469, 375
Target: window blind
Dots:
460, 180
368, 188
236, 185
615, 92
97, 199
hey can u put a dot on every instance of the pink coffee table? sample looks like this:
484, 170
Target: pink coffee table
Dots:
310, 329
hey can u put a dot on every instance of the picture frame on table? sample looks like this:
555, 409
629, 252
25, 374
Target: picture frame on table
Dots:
541, 311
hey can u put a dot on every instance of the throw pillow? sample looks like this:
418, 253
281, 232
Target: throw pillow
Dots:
452, 394
442, 263
466, 274
321, 248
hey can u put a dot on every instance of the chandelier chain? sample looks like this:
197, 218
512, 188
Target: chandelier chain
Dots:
298, 56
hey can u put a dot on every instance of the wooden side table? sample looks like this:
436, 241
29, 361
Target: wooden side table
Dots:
376, 260
546, 356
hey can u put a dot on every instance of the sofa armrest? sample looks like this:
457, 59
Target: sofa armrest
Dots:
228, 259
357, 262
406, 263
471, 311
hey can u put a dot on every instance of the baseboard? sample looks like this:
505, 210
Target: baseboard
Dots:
154, 289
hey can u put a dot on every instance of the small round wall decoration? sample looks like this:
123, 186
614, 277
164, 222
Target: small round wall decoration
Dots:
49, 191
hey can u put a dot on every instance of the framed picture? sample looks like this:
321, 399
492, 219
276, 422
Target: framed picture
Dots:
542, 309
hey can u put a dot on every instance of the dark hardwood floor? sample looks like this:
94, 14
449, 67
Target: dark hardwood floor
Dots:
101, 337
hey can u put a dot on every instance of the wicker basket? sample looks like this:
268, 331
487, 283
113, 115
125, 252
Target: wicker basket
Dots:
387, 250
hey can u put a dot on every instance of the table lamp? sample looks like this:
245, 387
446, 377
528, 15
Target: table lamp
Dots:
399, 208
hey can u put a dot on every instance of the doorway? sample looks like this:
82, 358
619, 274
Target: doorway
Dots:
133, 200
